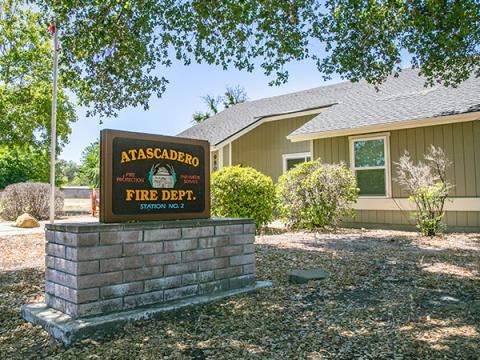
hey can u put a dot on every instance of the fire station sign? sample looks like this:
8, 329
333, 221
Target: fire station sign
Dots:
152, 177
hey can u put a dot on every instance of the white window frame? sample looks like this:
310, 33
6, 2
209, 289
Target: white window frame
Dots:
212, 156
290, 156
386, 143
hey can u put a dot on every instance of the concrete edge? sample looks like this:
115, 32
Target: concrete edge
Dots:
68, 330
408, 227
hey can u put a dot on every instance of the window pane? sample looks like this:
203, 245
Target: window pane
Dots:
369, 153
371, 182
293, 162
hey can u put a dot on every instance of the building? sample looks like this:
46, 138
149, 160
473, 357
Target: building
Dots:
335, 122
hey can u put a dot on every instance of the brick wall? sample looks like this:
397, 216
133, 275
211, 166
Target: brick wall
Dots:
93, 269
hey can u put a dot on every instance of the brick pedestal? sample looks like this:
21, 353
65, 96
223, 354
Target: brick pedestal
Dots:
96, 269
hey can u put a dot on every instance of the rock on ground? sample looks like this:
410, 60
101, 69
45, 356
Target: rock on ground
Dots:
26, 221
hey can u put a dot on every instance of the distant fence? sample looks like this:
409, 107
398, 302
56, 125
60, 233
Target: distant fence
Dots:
76, 192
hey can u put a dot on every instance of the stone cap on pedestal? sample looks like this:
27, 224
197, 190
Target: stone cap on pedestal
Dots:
144, 225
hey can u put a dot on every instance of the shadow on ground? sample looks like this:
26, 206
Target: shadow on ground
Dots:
386, 297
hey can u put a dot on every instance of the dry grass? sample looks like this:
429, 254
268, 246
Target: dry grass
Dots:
391, 295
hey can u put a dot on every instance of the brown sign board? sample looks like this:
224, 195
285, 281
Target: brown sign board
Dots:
153, 177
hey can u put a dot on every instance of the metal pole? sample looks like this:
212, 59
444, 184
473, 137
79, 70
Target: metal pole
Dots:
53, 136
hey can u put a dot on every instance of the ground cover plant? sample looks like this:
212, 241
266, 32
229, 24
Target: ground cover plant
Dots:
390, 295
316, 195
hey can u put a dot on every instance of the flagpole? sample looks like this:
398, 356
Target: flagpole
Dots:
53, 135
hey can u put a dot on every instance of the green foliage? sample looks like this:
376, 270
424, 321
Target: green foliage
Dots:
19, 164
429, 215
233, 95
365, 39
242, 192
67, 172
29, 197
90, 165
427, 184
315, 195
26, 64
111, 49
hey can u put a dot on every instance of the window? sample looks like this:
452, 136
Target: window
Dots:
214, 162
291, 160
369, 158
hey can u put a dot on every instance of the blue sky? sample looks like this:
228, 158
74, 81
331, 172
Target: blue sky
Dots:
172, 113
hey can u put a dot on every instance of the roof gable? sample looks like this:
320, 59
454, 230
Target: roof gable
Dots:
352, 105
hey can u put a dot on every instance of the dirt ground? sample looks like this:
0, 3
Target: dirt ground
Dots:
390, 295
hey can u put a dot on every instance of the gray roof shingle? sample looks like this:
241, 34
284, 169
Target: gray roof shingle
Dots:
351, 105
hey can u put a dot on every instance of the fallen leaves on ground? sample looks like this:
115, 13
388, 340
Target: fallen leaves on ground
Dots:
390, 295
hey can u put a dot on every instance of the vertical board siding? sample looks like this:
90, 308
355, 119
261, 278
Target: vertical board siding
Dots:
461, 143
469, 154
394, 149
448, 148
476, 146
225, 156
395, 156
459, 160
263, 147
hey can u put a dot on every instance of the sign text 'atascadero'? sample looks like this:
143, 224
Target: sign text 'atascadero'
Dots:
148, 177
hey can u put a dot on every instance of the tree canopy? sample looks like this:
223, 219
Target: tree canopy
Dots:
233, 95
20, 164
90, 165
68, 172
26, 80
110, 48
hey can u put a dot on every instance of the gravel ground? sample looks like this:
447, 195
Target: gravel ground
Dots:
391, 295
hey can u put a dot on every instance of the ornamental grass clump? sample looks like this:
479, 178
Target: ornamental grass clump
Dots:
29, 197
427, 186
242, 192
316, 195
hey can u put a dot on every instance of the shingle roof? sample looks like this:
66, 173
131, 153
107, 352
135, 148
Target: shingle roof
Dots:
352, 105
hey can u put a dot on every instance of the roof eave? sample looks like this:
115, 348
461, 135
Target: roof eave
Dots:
396, 125
269, 117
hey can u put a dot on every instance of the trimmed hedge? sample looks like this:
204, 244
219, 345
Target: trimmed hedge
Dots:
243, 192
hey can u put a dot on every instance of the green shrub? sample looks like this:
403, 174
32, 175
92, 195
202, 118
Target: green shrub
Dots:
430, 215
427, 184
32, 198
316, 195
243, 192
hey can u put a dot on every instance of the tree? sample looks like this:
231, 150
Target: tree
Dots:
90, 165
26, 80
233, 95
67, 171
110, 48
21, 164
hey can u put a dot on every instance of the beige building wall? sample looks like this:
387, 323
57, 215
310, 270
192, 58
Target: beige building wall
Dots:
461, 142
263, 147
226, 155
